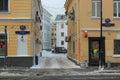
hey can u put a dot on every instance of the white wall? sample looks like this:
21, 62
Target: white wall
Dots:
58, 33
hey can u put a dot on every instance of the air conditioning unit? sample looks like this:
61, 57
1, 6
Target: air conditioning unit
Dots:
67, 38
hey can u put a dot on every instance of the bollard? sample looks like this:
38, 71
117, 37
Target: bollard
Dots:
108, 64
86, 63
40, 54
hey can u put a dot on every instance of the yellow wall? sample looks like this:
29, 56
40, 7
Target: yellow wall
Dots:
12, 36
19, 9
84, 21
22, 12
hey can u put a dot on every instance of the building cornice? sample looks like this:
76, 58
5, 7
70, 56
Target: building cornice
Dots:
97, 29
16, 20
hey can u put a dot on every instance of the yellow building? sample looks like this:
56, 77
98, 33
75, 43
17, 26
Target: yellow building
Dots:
22, 19
53, 35
84, 28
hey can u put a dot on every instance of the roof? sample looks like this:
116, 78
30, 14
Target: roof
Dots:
60, 17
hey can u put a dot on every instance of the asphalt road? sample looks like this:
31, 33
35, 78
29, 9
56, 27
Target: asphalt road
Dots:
99, 77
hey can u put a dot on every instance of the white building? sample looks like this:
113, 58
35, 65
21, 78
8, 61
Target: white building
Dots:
46, 31
61, 31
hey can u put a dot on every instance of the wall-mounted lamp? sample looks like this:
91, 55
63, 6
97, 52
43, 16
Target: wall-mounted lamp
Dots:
22, 38
85, 34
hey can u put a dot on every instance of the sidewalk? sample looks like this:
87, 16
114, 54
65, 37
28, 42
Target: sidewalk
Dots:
26, 72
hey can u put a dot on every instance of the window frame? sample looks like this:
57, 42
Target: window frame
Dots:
2, 40
62, 34
62, 26
62, 42
115, 47
117, 6
3, 12
96, 8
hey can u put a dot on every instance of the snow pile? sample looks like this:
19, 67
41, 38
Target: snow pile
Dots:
9, 74
53, 60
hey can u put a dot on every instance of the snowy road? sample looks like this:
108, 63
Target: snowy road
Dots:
51, 60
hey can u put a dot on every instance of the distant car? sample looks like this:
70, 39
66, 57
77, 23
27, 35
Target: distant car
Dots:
60, 50
53, 50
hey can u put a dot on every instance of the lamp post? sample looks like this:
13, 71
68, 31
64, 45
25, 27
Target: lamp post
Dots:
101, 66
5, 64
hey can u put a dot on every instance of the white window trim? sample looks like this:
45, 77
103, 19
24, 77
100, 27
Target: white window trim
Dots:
117, 2
95, 9
116, 55
8, 8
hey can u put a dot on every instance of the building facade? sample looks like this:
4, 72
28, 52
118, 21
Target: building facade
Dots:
46, 31
61, 31
53, 35
84, 31
19, 32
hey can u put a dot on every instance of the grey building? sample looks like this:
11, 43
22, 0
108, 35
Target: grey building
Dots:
46, 31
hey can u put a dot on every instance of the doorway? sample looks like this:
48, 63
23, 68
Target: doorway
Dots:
94, 51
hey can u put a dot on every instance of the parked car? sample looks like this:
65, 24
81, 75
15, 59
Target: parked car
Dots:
53, 50
59, 50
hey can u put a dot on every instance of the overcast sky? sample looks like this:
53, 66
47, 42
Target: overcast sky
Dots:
54, 6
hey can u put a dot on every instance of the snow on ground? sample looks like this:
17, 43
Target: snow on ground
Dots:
11, 74
53, 60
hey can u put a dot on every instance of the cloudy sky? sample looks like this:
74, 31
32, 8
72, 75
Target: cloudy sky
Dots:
54, 6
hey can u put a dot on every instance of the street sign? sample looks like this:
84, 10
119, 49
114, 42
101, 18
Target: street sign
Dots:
107, 23
22, 32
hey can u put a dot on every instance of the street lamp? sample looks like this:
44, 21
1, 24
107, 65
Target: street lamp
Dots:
106, 24
101, 66
5, 64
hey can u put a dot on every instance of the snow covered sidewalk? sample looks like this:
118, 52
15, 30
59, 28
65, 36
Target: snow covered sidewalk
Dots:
52, 60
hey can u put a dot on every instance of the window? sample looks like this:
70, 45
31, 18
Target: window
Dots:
62, 42
62, 26
40, 27
3, 5
96, 8
62, 34
2, 45
62, 17
117, 47
52, 34
116, 13
73, 46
